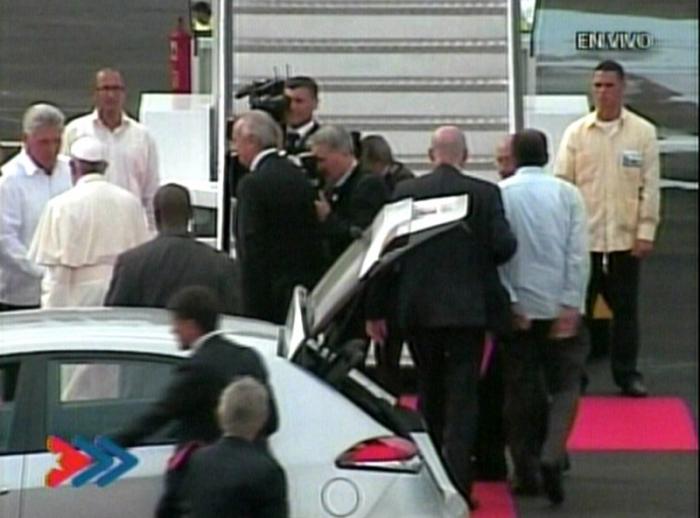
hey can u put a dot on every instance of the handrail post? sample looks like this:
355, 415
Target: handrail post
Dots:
515, 87
222, 74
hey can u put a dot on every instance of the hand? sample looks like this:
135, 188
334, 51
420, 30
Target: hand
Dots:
566, 324
520, 321
376, 330
642, 248
323, 208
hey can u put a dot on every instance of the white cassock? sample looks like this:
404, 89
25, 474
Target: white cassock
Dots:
79, 236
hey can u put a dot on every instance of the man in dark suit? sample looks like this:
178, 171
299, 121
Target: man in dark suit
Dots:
377, 158
150, 274
302, 92
235, 477
351, 197
277, 234
193, 394
448, 295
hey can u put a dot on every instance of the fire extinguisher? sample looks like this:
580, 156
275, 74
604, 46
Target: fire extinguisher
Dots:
180, 59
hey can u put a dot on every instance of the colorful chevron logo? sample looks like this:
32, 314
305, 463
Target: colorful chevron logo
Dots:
85, 461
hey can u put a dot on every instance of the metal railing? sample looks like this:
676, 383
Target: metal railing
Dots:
515, 87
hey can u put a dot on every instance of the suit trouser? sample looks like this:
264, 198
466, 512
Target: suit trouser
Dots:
616, 277
10, 307
448, 361
542, 386
170, 503
491, 441
388, 357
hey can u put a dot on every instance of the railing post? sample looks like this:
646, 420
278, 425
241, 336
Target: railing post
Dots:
222, 74
515, 87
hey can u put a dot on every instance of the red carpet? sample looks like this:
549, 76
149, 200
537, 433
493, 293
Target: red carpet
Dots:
494, 500
625, 424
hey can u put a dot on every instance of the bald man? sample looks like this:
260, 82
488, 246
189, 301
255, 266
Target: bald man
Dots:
504, 157
150, 274
131, 151
448, 296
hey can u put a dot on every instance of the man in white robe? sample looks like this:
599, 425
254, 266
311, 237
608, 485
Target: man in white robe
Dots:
82, 231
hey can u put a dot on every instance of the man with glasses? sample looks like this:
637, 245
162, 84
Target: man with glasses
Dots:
131, 151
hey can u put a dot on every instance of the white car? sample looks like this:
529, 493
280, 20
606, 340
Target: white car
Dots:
346, 448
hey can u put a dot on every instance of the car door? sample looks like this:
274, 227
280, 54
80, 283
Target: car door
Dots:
89, 395
15, 418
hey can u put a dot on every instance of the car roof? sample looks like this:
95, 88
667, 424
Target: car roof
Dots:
145, 330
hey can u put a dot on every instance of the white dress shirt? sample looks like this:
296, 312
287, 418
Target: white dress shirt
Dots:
304, 129
25, 189
132, 156
260, 156
79, 237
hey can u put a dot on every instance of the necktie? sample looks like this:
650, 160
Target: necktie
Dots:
293, 139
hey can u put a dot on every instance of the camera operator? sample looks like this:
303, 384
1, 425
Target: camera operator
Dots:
277, 233
351, 197
302, 93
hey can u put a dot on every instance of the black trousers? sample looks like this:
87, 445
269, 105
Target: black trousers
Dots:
616, 277
388, 357
10, 307
489, 451
170, 504
543, 380
448, 361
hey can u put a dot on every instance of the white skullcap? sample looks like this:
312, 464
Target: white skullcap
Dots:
88, 149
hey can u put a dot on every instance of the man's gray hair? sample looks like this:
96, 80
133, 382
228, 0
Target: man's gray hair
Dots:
42, 115
335, 138
243, 408
262, 127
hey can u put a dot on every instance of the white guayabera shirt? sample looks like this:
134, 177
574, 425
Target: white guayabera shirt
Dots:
25, 189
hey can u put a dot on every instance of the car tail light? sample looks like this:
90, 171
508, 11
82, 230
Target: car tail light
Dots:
382, 454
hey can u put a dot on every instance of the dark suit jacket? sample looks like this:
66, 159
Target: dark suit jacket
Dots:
193, 395
234, 478
151, 273
452, 279
295, 145
396, 174
354, 205
277, 237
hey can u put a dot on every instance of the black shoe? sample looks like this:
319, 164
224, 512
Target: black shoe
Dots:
526, 483
566, 465
634, 388
491, 472
584, 383
520, 489
472, 503
552, 483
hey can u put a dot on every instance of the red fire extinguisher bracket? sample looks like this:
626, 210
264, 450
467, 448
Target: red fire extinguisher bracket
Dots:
180, 59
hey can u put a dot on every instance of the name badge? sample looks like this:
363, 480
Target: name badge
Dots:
631, 159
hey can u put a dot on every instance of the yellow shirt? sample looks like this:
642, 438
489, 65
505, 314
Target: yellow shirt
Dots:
617, 171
